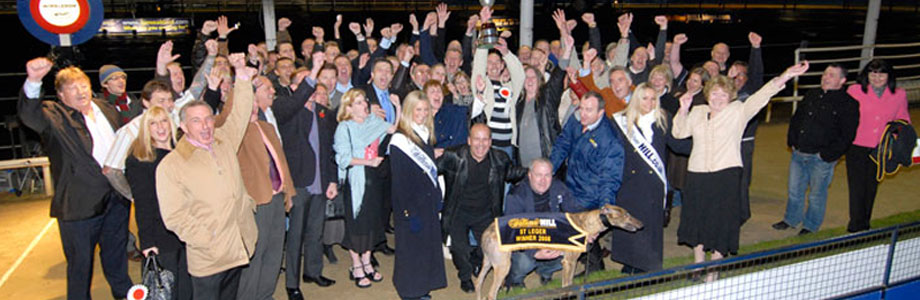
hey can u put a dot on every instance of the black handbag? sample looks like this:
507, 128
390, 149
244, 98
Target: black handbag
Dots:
159, 281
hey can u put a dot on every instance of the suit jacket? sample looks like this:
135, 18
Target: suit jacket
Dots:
79, 186
254, 158
328, 171
371, 95
295, 123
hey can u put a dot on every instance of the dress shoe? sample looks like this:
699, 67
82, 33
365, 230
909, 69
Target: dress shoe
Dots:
781, 225
467, 286
804, 231
294, 294
320, 281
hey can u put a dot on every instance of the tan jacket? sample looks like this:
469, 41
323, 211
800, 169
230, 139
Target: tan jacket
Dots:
203, 199
717, 141
253, 156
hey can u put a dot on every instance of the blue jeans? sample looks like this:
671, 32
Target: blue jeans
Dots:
808, 171
522, 263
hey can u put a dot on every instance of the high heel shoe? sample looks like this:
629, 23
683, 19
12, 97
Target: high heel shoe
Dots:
372, 274
357, 279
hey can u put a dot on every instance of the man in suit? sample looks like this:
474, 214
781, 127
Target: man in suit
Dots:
78, 132
300, 134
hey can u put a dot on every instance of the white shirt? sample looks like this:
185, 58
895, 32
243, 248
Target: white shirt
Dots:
270, 118
102, 133
645, 125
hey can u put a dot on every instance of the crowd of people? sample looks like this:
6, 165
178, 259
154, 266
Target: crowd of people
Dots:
348, 145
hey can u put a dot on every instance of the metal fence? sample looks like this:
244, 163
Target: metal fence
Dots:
904, 58
851, 265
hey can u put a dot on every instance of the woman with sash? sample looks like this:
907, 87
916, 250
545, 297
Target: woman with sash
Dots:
643, 129
356, 143
419, 266
711, 215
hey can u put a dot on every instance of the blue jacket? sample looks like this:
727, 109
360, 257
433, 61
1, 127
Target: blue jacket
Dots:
451, 125
594, 162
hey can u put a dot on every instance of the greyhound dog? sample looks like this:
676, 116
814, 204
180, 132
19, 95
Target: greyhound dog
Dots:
591, 221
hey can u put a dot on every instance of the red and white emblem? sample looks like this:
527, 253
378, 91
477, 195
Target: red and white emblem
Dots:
138, 292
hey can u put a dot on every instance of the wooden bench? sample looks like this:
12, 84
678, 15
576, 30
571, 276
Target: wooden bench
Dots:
41, 162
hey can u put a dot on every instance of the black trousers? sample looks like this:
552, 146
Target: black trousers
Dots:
220, 286
747, 160
175, 262
464, 221
79, 239
862, 186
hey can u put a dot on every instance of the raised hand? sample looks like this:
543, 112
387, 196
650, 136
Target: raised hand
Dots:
680, 39
623, 23
572, 74
237, 60
408, 54
568, 41
588, 18
318, 34
338, 21
662, 22
589, 56
37, 68
414, 22
502, 46
471, 24
283, 24
430, 21
795, 70
214, 79
386, 33
363, 59
485, 14
318, 60
395, 29
480, 83
570, 25
755, 39
559, 18
164, 57
505, 34
224, 29
443, 14
299, 77
685, 100
650, 49
355, 28
368, 26
208, 27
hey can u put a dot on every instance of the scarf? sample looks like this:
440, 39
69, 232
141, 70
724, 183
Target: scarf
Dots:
360, 135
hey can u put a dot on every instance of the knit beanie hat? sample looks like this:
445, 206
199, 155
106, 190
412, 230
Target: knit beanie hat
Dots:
107, 71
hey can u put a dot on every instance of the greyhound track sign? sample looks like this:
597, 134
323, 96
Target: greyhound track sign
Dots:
61, 22
540, 230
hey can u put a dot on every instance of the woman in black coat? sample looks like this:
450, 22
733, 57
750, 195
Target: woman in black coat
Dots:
154, 141
419, 266
643, 125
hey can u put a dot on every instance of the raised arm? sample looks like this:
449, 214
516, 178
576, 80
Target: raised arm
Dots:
676, 66
755, 62
238, 116
200, 81
594, 34
30, 103
760, 99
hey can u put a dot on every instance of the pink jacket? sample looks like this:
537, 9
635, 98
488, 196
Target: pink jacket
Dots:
874, 113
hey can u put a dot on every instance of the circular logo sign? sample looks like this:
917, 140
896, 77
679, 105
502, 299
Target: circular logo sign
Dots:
61, 22
137, 292
60, 16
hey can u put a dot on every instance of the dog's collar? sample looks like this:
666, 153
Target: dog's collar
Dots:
605, 221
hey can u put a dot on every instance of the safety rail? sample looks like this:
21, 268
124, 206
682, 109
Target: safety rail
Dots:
904, 58
874, 262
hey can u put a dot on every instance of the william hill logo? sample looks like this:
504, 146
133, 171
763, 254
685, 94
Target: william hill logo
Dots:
517, 223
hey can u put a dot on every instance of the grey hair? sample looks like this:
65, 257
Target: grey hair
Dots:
183, 112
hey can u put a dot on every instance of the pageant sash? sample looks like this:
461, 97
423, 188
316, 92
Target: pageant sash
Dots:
417, 155
644, 147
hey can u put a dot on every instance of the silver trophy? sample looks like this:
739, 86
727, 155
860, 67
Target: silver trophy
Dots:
488, 33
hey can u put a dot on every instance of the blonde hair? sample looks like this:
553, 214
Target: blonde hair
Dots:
633, 111
347, 99
723, 82
142, 148
412, 101
665, 71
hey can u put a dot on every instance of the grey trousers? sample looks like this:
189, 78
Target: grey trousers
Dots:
305, 235
258, 280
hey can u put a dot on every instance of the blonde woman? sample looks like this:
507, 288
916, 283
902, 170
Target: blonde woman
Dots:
356, 143
711, 215
416, 195
644, 129
155, 139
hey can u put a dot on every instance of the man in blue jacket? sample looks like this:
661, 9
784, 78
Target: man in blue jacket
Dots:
539, 193
594, 159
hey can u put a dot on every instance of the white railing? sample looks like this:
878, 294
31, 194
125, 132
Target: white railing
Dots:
904, 57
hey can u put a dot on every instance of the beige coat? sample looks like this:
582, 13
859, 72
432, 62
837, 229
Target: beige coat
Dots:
717, 141
203, 199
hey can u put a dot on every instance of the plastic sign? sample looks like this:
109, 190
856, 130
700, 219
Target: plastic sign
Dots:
61, 22
138, 292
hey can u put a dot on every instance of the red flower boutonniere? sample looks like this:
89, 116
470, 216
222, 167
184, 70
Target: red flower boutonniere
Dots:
322, 114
